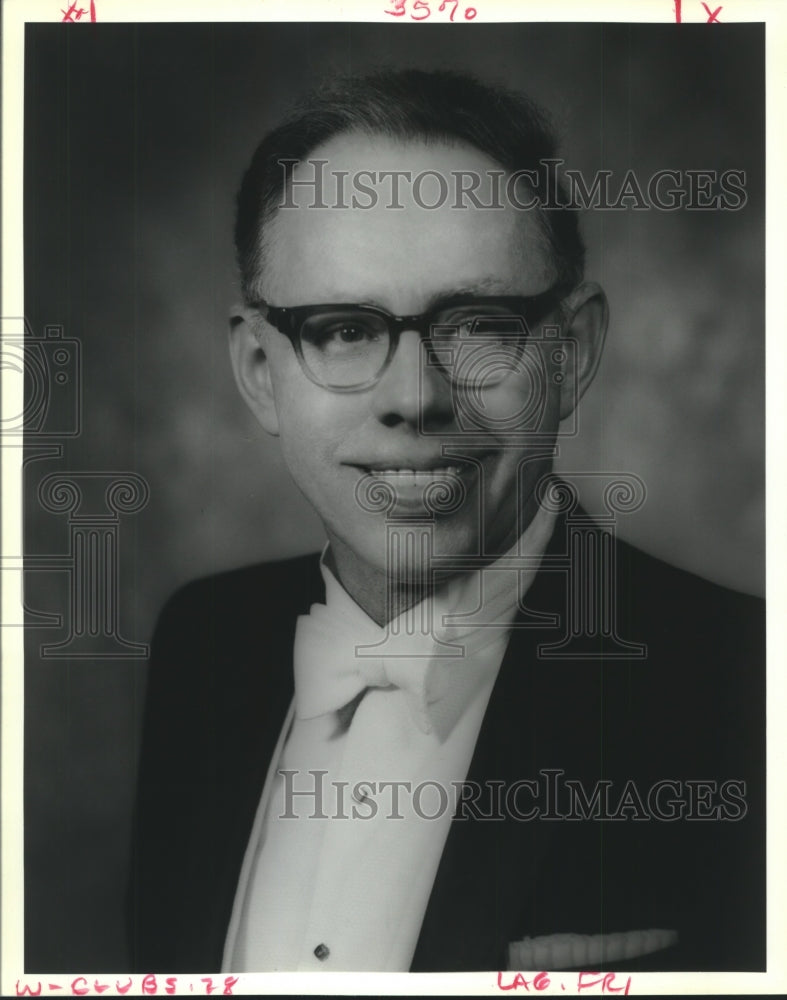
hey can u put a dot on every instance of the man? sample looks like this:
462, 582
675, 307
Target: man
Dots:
475, 733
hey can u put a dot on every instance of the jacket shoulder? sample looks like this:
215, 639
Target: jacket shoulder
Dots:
652, 572
243, 597
676, 601
219, 686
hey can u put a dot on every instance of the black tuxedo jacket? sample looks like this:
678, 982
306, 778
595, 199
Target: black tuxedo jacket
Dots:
691, 712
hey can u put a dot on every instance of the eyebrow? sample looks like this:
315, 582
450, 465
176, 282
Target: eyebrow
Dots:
484, 286
480, 288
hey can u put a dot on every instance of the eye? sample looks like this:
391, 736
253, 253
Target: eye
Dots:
481, 321
454, 324
466, 325
345, 332
351, 333
501, 326
337, 333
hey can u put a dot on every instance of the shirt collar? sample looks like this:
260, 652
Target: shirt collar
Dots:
505, 582
440, 668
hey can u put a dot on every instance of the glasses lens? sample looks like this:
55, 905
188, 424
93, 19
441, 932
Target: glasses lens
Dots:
345, 348
486, 343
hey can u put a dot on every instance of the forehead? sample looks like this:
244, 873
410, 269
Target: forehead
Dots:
364, 249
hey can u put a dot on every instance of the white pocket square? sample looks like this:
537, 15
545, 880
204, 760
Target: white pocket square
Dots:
585, 951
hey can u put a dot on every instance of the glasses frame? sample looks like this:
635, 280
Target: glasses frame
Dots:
289, 320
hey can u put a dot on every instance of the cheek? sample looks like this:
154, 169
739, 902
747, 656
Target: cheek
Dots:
311, 428
511, 486
513, 395
530, 398
299, 409
527, 403
304, 435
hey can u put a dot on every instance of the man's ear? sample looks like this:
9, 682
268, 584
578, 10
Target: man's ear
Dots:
586, 312
251, 366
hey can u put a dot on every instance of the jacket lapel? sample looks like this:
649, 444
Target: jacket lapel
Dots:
254, 704
502, 879
490, 866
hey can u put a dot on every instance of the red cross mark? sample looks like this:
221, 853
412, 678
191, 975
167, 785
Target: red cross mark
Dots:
713, 16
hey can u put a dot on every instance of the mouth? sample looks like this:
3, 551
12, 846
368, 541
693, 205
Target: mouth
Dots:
417, 465
412, 485
436, 472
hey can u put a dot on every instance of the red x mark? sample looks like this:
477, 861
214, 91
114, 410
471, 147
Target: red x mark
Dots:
712, 18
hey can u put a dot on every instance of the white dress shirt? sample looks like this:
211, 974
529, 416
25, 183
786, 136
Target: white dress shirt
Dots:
339, 878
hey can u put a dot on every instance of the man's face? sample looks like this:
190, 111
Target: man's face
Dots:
403, 261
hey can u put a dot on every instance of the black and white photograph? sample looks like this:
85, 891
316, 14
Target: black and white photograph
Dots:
392, 537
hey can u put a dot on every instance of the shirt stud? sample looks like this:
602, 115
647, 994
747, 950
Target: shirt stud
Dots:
322, 951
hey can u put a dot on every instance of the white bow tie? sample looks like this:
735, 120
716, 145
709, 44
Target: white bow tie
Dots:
332, 667
439, 673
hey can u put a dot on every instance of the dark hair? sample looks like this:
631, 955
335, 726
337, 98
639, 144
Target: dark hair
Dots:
411, 104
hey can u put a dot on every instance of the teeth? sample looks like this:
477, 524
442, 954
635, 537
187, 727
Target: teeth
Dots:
441, 471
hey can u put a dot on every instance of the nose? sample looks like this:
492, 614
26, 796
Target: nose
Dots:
411, 392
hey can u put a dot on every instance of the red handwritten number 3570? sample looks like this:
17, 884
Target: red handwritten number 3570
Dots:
424, 10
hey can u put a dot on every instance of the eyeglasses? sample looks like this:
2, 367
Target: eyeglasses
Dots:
472, 340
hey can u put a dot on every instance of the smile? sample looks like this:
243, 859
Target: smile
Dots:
425, 474
412, 489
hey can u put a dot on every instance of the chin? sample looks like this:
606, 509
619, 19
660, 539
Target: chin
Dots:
410, 550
